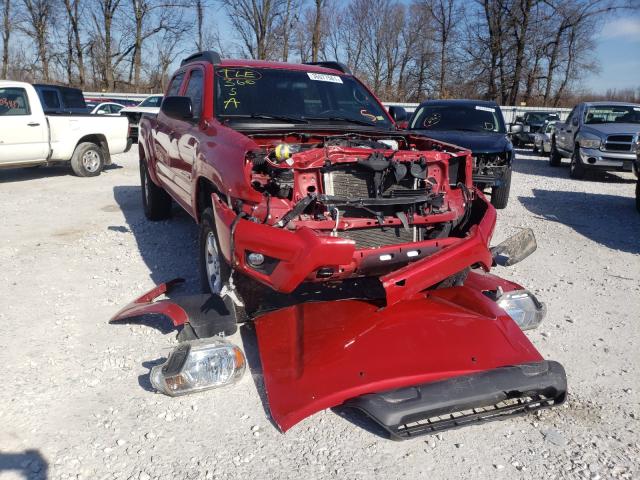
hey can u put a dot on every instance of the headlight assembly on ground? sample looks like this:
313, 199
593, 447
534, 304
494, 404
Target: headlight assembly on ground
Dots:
523, 307
199, 365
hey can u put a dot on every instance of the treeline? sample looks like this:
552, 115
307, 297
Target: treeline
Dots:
511, 51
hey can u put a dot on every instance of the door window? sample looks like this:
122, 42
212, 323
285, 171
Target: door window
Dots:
50, 99
13, 101
174, 86
194, 92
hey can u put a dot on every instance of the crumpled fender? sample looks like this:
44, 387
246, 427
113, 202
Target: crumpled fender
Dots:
145, 305
318, 355
198, 316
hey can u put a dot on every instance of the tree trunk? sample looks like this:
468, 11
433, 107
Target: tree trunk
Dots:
317, 30
521, 39
200, 20
6, 36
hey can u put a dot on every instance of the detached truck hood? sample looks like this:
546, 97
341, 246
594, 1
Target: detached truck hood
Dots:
320, 355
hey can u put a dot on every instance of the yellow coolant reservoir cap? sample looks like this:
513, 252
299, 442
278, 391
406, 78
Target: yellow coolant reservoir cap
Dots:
283, 152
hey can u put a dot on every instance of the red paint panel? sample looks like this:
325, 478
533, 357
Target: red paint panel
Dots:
145, 305
317, 355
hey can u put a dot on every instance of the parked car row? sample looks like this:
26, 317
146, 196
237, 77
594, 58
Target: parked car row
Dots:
596, 137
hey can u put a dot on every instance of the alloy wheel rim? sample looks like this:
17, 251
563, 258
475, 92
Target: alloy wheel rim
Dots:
91, 161
212, 263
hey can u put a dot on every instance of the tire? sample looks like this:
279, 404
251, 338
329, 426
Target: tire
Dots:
535, 149
516, 142
155, 201
500, 195
214, 269
576, 169
87, 160
638, 195
555, 159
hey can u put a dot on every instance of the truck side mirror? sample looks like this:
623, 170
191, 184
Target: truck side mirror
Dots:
177, 107
398, 114
574, 122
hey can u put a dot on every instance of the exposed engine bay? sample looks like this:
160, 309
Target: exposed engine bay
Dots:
376, 192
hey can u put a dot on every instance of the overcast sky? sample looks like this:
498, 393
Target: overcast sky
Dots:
618, 51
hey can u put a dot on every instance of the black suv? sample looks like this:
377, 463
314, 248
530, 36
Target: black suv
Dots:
478, 126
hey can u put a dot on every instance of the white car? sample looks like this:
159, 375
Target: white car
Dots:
31, 134
542, 138
150, 105
107, 108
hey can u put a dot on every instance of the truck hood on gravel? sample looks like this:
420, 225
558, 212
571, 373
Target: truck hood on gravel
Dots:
613, 128
318, 355
477, 142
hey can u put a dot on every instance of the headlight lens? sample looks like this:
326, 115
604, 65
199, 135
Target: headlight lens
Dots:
590, 142
199, 365
523, 307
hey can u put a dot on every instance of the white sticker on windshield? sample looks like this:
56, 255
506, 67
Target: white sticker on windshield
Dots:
485, 109
323, 77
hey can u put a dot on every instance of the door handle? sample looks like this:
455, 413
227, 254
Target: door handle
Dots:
33, 124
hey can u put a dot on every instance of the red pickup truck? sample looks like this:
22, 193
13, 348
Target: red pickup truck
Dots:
371, 243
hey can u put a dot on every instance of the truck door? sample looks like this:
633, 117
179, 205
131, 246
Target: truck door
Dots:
187, 133
564, 135
165, 145
23, 132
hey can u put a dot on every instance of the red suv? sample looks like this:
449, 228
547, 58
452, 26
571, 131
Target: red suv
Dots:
374, 237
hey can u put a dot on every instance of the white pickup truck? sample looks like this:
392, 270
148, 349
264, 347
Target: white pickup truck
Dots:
43, 124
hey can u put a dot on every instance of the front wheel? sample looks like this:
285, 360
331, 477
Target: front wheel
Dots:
500, 195
155, 201
214, 269
87, 160
576, 169
555, 159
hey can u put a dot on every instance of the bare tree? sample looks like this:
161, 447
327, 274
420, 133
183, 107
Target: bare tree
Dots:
73, 16
255, 21
102, 47
39, 14
446, 15
317, 29
6, 36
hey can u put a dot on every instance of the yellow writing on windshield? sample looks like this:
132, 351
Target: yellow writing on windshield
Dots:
232, 79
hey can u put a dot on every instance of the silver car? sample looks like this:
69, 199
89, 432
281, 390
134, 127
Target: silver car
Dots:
542, 138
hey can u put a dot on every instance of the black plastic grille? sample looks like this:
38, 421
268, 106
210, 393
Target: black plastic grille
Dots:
620, 138
377, 237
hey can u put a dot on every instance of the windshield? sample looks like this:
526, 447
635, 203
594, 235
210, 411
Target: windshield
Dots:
612, 114
475, 118
540, 117
151, 102
268, 95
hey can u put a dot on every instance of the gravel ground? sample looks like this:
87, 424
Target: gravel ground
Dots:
77, 402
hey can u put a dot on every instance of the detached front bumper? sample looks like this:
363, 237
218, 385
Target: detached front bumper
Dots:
465, 400
294, 256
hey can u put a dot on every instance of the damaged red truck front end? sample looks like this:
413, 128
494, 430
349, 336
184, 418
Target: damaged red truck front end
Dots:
361, 255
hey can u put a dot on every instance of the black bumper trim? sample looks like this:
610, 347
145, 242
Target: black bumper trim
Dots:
465, 400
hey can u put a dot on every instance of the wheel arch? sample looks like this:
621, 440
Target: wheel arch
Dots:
202, 196
100, 140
